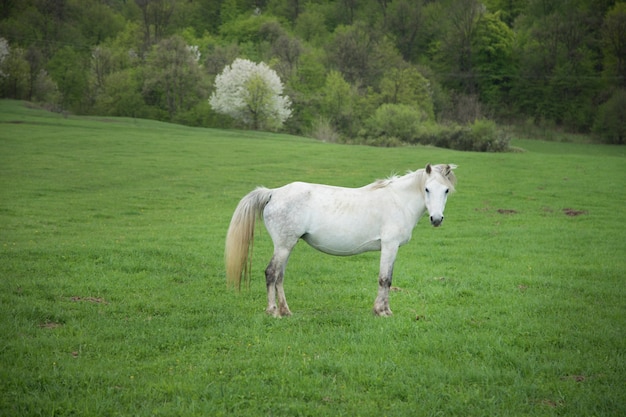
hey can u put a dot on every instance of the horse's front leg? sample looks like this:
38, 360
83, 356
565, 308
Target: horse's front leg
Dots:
387, 259
274, 274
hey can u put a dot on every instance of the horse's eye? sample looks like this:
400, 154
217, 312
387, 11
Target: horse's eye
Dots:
447, 190
427, 190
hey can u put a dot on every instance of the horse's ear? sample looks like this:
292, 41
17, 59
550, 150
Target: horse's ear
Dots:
429, 169
449, 174
448, 169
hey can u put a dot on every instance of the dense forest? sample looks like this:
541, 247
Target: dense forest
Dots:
370, 70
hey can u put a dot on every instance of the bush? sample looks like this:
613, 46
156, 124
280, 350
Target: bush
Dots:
487, 137
45, 90
610, 123
481, 136
384, 142
323, 130
396, 120
393, 124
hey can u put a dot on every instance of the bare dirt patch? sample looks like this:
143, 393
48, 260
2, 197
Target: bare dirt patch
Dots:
94, 300
50, 325
573, 212
507, 211
575, 378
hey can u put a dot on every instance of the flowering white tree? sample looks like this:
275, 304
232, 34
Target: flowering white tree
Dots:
5, 50
251, 93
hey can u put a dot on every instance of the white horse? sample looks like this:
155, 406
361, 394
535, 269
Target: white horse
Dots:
338, 221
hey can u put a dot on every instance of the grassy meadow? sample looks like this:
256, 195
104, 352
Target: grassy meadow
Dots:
113, 299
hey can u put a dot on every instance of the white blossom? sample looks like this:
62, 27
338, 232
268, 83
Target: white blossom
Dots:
5, 51
195, 52
251, 93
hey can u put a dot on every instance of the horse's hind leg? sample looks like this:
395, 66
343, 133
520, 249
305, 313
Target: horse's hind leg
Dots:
274, 274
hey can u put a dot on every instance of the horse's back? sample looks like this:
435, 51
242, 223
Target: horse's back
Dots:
335, 220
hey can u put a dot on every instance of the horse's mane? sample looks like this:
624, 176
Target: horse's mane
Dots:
445, 170
382, 183
447, 173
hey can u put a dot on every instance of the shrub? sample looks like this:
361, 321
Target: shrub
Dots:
481, 136
323, 130
393, 124
45, 90
487, 137
396, 120
384, 142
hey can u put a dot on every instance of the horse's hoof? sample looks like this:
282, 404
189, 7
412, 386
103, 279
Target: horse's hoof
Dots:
383, 313
283, 311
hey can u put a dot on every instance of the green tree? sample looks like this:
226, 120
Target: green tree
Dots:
557, 79
173, 80
614, 43
198, 18
303, 88
14, 72
407, 86
311, 74
361, 55
405, 23
97, 21
69, 69
229, 11
459, 46
310, 26
338, 101
350, 51
493, 59
251, 32
285, 52
156, 15
610, 122
289, 10
121, 95
45, 91
507, 9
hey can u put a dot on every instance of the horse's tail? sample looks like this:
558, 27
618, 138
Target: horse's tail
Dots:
240, 236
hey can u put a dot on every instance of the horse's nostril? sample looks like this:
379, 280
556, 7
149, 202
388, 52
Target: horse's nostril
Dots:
436, 220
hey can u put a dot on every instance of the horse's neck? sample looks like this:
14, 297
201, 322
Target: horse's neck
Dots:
409, 188
411, 183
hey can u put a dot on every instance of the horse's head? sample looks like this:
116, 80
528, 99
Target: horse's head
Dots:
440, 181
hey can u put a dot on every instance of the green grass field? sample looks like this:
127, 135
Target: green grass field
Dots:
113, 299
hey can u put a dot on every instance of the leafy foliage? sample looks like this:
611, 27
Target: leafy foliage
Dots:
408, 86
610, 123
173, 77
549, 62
614, 40
396, 120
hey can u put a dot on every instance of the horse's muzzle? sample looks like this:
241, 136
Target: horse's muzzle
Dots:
436, 220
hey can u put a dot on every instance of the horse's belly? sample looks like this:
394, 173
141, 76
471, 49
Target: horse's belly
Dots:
339, 245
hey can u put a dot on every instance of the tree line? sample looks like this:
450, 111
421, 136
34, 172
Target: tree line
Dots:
374, 71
